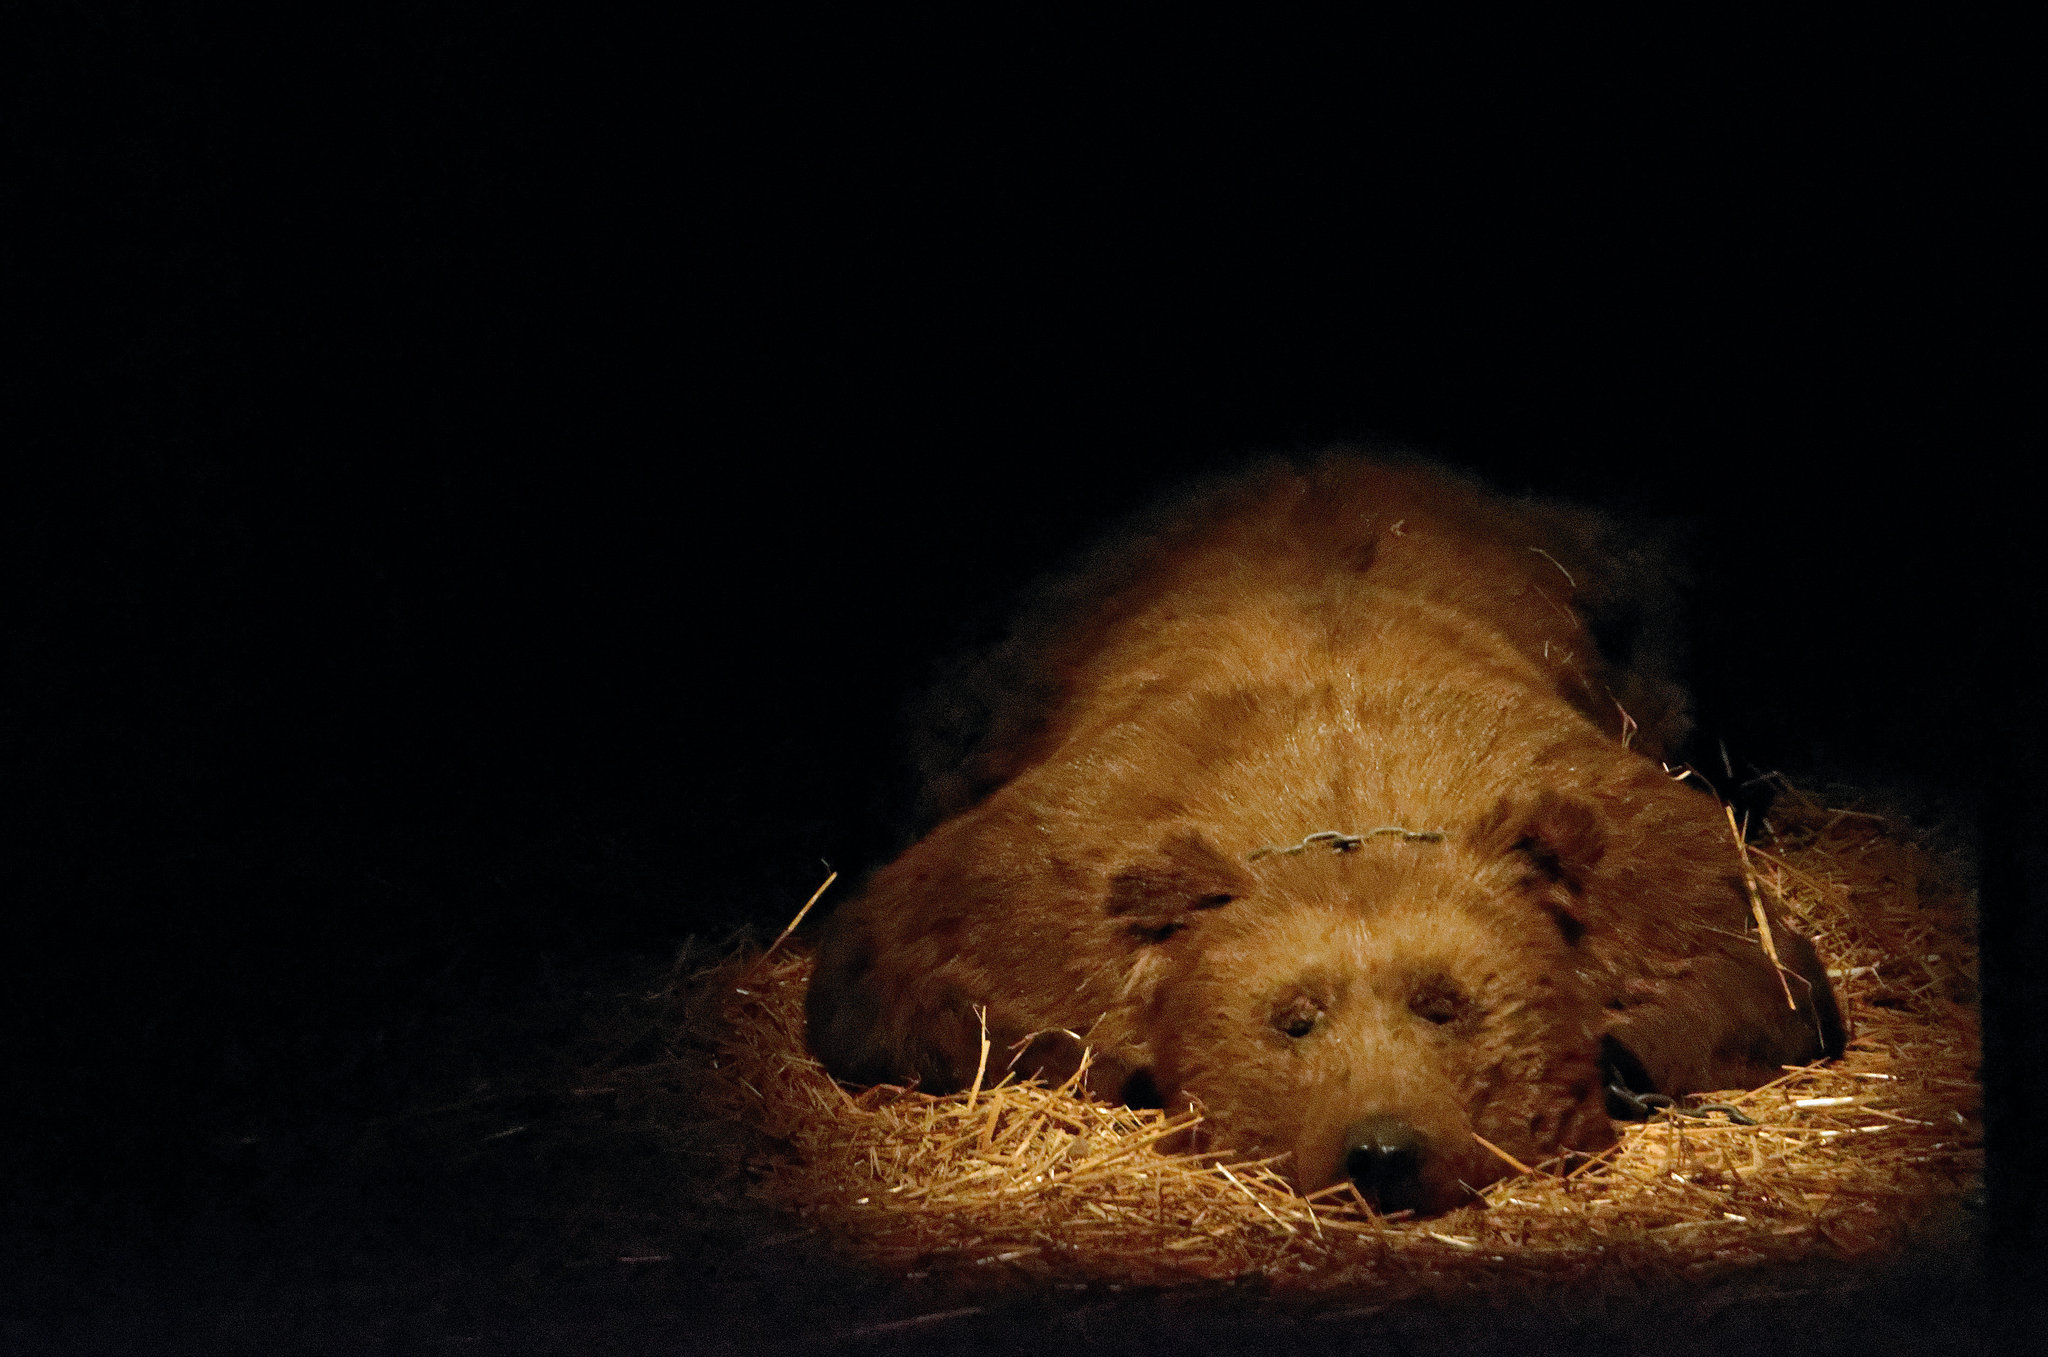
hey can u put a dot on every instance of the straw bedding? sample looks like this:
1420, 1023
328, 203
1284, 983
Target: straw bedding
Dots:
1025, 1181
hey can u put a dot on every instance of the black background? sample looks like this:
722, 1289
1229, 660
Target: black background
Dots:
477, 491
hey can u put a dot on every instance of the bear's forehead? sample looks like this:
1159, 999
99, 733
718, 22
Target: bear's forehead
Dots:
1383, 950
1379, 873
1454, 919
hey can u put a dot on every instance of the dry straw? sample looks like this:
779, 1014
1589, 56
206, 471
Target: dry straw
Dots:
1010, 1178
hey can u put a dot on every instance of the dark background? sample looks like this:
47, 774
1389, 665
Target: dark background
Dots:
476, 493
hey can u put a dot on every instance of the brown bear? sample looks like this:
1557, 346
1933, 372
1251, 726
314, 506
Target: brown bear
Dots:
1326, 798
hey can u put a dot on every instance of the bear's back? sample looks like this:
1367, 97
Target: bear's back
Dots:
1202, 590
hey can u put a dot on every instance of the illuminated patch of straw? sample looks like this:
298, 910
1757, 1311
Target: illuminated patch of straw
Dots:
1019, 1178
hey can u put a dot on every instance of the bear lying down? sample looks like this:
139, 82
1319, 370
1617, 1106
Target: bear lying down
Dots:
1327, 799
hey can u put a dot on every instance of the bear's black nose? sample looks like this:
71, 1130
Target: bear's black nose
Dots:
1384, 1156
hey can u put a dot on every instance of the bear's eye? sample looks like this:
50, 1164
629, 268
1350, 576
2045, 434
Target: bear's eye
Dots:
1298, 1018
1438, 1001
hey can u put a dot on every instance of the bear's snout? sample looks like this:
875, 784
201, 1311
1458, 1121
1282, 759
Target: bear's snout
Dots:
1384, 1157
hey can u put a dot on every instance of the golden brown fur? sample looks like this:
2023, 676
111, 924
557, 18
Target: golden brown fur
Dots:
1348, 647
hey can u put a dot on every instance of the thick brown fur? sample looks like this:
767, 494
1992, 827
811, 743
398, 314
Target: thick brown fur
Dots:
1352, 646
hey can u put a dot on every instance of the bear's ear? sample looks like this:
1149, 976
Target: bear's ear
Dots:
1560, 840
1158, 893
1560, 835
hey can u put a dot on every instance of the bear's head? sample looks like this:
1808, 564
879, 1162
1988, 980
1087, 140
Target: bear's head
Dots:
1370, 1014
